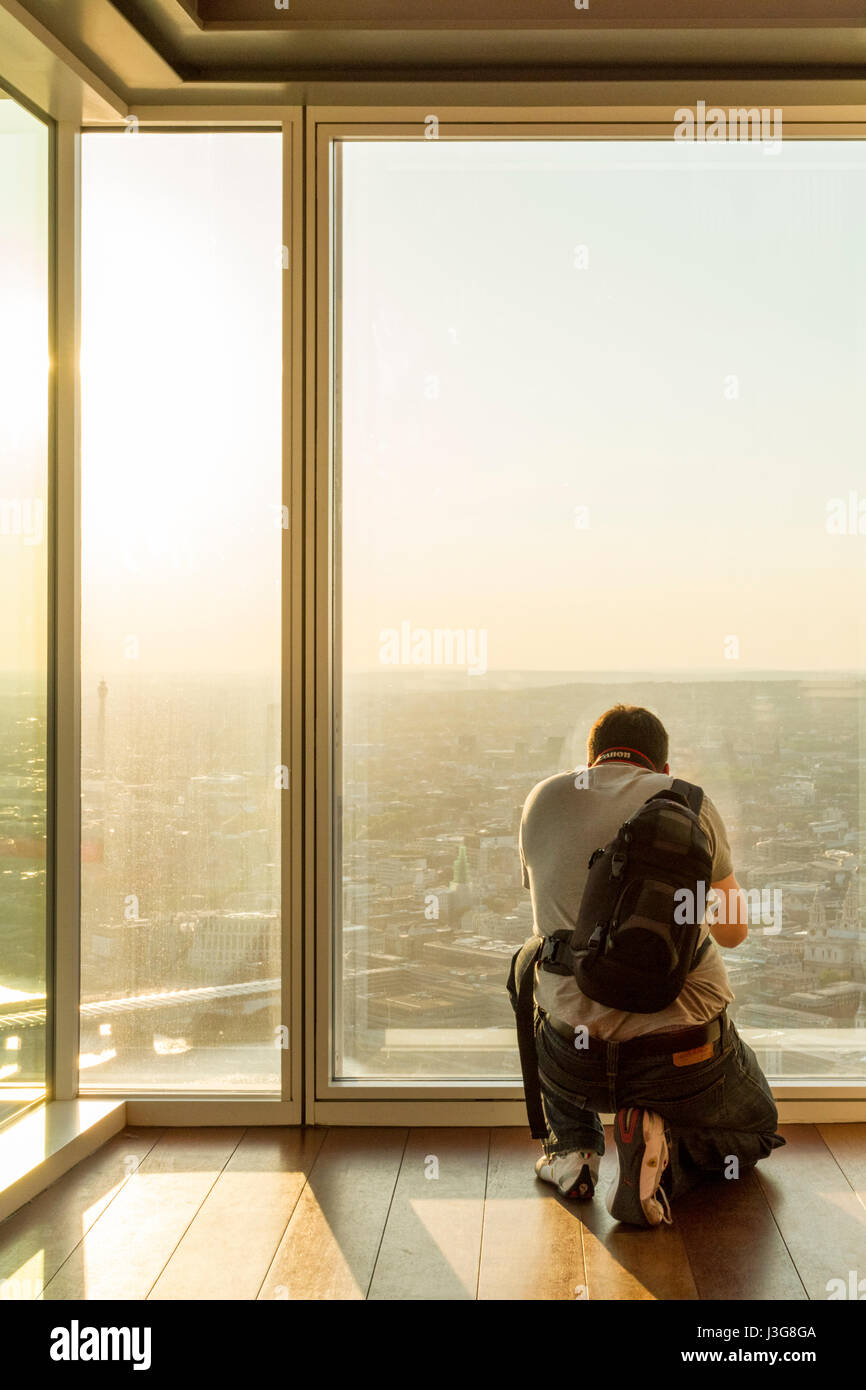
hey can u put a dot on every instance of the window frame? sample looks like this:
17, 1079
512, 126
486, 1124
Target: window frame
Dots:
349, 1101
222, 1107
308, 1094
49, 1081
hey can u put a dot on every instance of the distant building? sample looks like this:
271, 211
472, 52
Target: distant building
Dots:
759, 1015
225, 942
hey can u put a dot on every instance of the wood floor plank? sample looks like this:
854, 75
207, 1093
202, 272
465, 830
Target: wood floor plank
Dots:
734, 1246
227, 1250
629, 1262
847, 1144
351, 1214
821, 1220
531, 1245
330, 1245
432, 1240
36, 1239
126, 1249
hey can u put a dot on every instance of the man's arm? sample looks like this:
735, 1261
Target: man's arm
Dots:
524, 872
732, 928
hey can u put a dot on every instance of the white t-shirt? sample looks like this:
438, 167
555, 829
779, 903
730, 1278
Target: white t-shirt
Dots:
561, 826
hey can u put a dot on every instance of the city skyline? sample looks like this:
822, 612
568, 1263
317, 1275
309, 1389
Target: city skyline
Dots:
181, 920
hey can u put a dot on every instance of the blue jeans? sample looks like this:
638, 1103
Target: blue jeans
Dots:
717, 1109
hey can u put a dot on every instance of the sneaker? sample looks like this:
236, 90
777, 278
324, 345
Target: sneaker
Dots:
575, 1173
643, 1151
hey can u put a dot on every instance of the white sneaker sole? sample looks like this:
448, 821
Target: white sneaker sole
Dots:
633, 1197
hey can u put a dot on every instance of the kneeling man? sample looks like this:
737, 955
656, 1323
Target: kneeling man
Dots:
688, 1094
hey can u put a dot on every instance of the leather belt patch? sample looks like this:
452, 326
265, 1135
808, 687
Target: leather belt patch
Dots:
694, 1054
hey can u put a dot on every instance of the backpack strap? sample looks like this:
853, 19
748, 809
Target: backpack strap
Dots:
521, 988
556, 954
701, 951
692, 795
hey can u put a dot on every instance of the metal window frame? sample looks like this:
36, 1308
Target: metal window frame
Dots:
333, 1101
186, 1108
307, 1094
67, 635
52, 476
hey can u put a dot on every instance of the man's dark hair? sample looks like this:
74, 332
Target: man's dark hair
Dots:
629, 726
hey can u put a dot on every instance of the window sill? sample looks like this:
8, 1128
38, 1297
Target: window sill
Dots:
44, 1143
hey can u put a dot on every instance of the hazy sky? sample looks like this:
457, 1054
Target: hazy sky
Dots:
692, 377
491, 387
181, 414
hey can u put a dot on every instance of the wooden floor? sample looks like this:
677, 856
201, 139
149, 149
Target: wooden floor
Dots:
352, 1214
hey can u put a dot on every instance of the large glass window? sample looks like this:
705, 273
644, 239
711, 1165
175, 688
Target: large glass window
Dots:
181, 573
600, 438
24, 548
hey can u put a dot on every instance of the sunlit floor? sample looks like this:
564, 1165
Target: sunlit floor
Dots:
424, 1213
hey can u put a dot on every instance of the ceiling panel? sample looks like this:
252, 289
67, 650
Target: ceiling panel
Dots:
146, 46
528, 14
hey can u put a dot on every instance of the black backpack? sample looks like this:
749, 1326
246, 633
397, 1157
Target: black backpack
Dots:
637, 930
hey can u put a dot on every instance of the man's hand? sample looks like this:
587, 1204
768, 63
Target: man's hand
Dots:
732, 926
